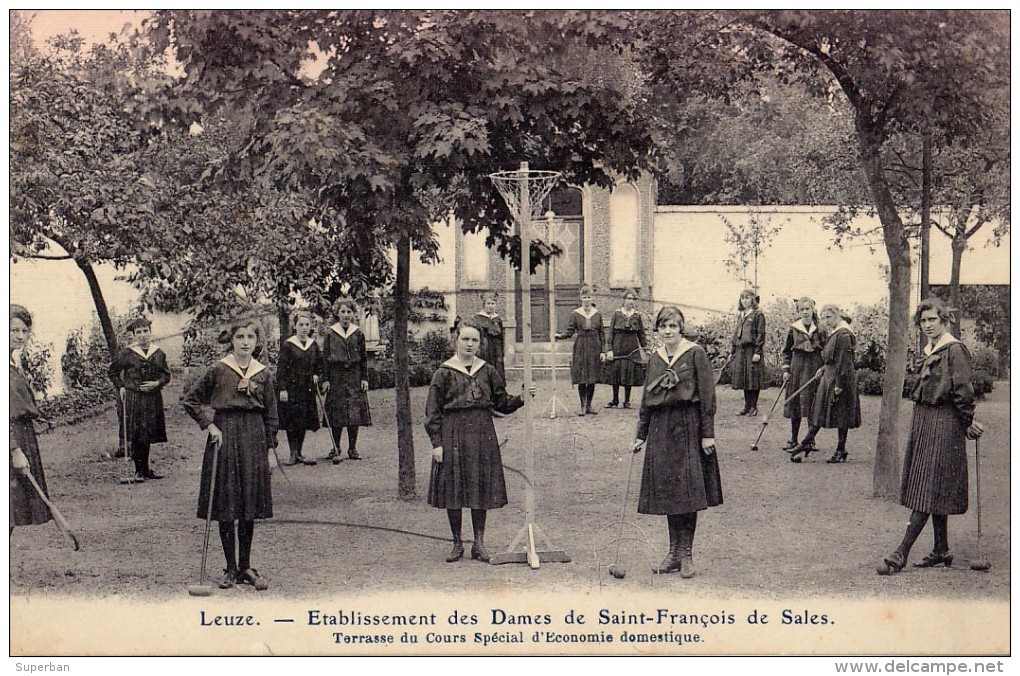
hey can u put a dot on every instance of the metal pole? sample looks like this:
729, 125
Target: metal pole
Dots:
550, 273
529, 452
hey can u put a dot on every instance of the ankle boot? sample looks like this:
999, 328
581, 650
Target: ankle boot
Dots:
685, 552
671, 563
456, 552
478, 550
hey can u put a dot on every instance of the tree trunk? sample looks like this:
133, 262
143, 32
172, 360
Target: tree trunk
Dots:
283, 315
101, 310
959, 246
887, 458
406, 486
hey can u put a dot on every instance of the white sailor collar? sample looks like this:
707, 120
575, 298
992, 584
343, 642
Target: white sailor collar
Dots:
254, 366
487, 315
293, 340
843, 326
338, 330
457, 365
944, 340
682, 348
586, 315
15, 357
799, 325
141, 353
627, 313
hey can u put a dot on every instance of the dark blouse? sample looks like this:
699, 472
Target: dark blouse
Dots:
798, 340
839, 354
750, 330
945, 378
217, 391
345, 352
690, 379
130, 369
453, 389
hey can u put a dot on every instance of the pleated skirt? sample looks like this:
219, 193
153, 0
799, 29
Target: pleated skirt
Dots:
27, 508
934, 476
585, 366
346, 405
745, 373
146, 421
243, 489
677, 477
623, 370
471, 474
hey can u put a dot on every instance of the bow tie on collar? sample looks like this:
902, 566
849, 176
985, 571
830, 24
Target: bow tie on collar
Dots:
666, 381
248, 387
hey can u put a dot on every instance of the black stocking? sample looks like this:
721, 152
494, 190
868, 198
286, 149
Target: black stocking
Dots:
626, 394
616, 394
940, 524
914, 528
295, 441
352, 437
794, 428
582, 392
246, 533
841, 445
227, 539
456, 520
478, 524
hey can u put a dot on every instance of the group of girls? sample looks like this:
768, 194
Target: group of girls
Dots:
235, 401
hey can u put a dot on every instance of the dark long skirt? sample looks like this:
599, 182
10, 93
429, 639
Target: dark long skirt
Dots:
585, 366
677, 477
622, 370
745, 373
243, 488
935, 462
27, 508
471, 474
299, 412
832, 411
491, 351
146, 422
803, 366
346, 404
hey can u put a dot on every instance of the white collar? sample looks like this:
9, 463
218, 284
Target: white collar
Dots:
627, 313
682, 347
16, 358
584, 314
945, 339
844, 326
338, 330
254, 366
144, 355
799, 325
456, 364
293, 340
486, 314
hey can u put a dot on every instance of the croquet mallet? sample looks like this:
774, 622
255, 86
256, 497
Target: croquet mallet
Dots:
335, 456
203, 588
765, 420
980, 563
616, 570
58, 518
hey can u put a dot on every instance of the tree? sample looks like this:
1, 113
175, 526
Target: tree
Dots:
900, 73
73, 157
393, 120
749, 242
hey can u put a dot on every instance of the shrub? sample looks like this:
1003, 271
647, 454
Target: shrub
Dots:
434, 348
985, 359
983, 382
869, 382
380, 375
74, 406
35, 360
86, 359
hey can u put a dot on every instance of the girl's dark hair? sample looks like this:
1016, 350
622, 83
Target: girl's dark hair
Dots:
489, 295
19, 312
137, 323
630, 292
345, 302
587, 290
466, 324
667, 313
227, 335
945, 312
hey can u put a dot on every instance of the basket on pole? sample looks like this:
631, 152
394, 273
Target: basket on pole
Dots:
524, 191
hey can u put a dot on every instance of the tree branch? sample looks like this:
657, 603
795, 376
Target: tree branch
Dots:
50, 257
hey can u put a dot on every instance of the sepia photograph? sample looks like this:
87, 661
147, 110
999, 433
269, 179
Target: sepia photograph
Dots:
490, 333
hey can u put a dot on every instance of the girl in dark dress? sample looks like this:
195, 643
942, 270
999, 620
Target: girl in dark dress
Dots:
934, 479
26, 507
802, 357
140, 373
626, 334
467, 468
345, 383
677, 420
589, 348
297, 376
748, 366
491, 326
837, 404
235, 401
